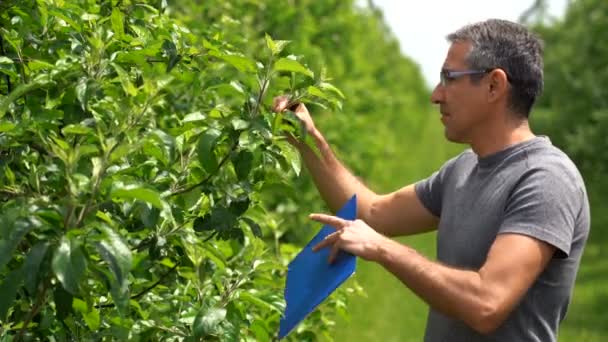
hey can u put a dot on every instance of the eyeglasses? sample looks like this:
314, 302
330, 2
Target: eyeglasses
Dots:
449, 75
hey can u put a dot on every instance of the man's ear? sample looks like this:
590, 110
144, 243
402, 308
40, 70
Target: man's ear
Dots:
498, 85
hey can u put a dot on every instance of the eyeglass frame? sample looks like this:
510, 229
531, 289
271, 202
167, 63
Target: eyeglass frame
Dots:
447, 75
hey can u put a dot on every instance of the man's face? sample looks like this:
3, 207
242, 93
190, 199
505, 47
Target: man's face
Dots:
461, 102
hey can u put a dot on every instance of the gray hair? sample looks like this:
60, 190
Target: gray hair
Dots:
512, 48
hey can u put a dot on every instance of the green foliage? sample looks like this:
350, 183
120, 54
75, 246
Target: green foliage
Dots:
135, 156
575, 71
574, 113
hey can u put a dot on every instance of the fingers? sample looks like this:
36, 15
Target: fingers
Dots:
333, 241
333, 221
328, 240
280, 103
335, 249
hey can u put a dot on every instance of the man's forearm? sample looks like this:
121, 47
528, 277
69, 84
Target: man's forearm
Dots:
335, 182
457, 293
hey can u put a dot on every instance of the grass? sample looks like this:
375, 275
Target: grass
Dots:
391, 312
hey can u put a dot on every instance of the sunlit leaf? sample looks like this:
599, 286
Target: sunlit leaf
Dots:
286, 64
117, 22
207, 322
139, 193
69, 264
123, 76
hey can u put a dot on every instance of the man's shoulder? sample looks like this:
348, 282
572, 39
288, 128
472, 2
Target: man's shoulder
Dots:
548, 157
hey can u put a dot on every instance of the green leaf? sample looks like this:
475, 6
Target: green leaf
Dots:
6, 126
239, 124
203, 223
242, 63
260, 331
105, 217
207, 322
118, 256
206, 146
167, 144
195, 116
286, 64
173, 60
10, 176
63, 302
16, 233
255, 300
275, 46
239, 206
220, 219
8, 289
21, 89
139, 193
77, 130
90, 315
82, 92
69, 264
32, 266
331, 87
123, 76
292, 156
169, 48
7, 67
116, 253
63, 15
255, 228
312, 90
36, 64
117, 22
243, 163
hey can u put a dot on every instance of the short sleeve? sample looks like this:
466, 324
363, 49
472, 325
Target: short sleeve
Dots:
544, 204
430, 190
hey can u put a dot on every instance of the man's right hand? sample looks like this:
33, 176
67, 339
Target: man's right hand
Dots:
281, 103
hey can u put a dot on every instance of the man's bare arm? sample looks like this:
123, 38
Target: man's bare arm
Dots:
394, 214
482, 299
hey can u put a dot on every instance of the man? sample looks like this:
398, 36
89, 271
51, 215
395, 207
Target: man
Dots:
512, 212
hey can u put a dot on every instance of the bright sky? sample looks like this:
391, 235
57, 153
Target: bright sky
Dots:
421, 26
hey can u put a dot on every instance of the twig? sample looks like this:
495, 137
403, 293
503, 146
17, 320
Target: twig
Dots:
86, 209
162, 277
204, 181
210, 236
37, 306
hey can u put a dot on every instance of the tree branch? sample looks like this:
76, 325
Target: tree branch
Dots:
204, 181
144, 291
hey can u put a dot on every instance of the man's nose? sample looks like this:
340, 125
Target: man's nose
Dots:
437, 94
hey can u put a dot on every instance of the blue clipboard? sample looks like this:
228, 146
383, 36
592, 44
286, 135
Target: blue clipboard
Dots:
311, 279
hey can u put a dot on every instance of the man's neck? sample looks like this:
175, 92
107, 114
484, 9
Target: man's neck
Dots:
500, 137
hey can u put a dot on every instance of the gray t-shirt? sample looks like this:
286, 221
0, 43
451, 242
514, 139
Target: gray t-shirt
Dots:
530, 188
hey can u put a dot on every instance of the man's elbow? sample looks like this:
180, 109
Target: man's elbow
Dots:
488, 319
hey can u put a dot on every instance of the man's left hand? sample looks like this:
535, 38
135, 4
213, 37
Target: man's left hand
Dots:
355, 237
